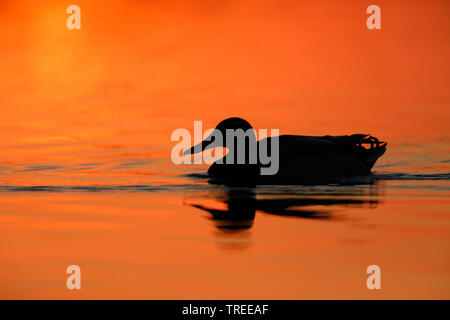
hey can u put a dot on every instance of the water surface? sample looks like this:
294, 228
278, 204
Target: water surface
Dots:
85, 170
179, 236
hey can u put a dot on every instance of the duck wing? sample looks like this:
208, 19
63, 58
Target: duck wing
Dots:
354, 143
328, 156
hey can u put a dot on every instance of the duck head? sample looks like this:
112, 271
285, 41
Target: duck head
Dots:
230, 124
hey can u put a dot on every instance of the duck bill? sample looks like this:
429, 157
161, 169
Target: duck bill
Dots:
202, 146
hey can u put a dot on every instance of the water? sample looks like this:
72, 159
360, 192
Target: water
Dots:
181, 237
85, 170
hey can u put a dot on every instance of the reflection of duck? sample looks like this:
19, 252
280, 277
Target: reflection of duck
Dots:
242, 203
301, 158
240, 213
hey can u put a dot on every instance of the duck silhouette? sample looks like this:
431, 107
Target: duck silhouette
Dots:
241, 204
301, 159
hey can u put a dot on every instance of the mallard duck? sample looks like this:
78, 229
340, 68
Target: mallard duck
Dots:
301, 158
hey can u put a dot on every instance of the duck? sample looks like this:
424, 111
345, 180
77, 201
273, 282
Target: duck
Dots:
301, 159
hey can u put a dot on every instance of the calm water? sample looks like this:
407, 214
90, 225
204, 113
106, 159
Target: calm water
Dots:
177, 236
85, 171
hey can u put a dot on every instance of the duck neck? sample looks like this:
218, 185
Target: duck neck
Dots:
242, 147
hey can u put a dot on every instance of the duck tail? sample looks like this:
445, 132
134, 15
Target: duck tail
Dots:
370, 148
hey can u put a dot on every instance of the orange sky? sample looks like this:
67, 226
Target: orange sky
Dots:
138, 70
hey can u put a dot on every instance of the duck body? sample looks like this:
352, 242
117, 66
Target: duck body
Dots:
306, 159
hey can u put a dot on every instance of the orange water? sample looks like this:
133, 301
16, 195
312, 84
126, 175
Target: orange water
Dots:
153, 244
85, 170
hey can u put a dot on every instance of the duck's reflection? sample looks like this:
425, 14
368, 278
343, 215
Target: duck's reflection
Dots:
241, 204
240, 212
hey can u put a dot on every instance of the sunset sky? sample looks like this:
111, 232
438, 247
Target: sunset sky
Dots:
137, 70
